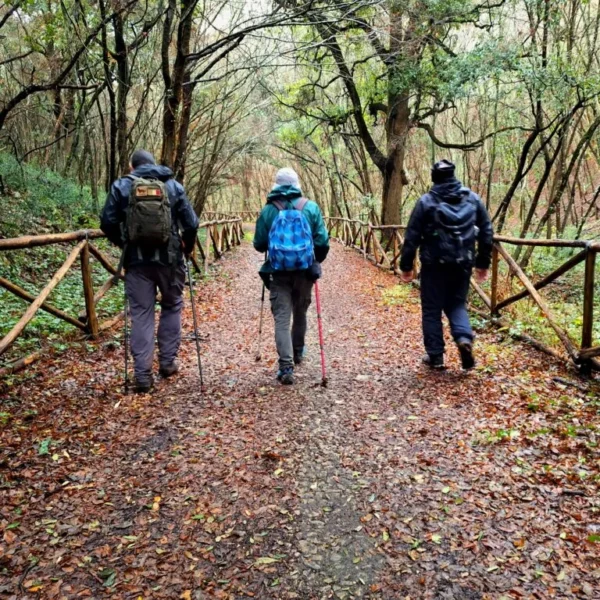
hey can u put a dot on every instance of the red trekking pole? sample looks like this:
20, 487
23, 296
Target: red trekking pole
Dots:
321, 343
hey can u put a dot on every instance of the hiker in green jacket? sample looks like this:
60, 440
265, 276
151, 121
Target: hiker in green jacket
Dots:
292, 230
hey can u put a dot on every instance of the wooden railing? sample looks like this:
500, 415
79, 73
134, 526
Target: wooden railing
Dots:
367, 238
382, 245
221, 235
247, 216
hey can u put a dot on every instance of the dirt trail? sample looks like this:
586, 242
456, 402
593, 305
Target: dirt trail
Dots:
393, 482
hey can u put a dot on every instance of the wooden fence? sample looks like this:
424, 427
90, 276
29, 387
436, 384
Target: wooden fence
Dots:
221, 235
247, 216
382, 245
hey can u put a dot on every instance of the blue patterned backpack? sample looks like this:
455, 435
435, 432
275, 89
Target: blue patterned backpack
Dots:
291, 245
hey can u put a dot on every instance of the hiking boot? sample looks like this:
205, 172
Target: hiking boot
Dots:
286, 376
169, 369
142, 386
434, 361
299, 355
465, 347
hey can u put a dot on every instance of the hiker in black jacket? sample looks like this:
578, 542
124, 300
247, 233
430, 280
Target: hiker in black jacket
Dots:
451, 226
152, 268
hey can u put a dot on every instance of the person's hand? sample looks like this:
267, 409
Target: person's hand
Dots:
481, 275
407, 276
315, 271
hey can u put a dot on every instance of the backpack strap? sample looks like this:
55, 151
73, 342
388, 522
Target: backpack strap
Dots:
279, 205
435, 204
301, 204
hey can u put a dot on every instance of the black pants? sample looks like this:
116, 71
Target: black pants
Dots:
444, 288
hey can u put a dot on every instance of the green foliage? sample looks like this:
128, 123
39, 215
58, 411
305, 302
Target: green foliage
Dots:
399, 295
36, 199
31, 270
564, 297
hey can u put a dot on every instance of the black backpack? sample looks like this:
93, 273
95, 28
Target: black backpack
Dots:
149, 220
454, 229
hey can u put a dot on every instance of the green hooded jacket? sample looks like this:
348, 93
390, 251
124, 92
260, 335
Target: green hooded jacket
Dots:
312, 212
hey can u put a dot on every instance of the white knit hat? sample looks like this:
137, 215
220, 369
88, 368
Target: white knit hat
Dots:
287, 176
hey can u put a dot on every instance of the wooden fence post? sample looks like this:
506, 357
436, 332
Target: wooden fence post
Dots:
194, 256
207, 250
363, 245
88, 292
494, 284
372, 236
588, 304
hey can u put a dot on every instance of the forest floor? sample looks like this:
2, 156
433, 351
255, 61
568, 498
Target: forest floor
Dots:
391, 483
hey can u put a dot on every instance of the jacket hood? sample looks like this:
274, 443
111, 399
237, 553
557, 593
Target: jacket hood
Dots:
154, 172
286, 193
451, 191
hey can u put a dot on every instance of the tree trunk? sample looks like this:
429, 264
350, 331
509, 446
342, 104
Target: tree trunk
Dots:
402, 49
112, 156
394, 177
184, 128
174, 97
123, 85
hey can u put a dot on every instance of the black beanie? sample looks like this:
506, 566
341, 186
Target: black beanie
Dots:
442, 171
141, 157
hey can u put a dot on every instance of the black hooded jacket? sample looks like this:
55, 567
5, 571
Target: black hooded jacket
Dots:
185, 221
422, 220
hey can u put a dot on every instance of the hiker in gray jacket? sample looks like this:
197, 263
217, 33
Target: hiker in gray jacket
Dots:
151, 266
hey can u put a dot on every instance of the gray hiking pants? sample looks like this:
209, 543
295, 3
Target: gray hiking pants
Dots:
290, 296
141, 284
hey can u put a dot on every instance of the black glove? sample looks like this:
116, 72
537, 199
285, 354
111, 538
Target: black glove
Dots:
266, 277
315, 271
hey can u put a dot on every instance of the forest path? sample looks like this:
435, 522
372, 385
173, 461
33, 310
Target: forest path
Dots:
391, 483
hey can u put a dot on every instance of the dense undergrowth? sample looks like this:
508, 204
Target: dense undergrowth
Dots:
37, 201
564, 297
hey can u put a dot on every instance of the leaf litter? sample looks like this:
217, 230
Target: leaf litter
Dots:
391, 483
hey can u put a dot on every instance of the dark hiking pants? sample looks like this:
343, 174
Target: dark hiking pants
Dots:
290, 296
141, 285
444, 288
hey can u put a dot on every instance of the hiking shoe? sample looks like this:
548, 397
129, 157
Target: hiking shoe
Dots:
286, 376
142, 386
169, 369
299, 355
434, 361
465, 347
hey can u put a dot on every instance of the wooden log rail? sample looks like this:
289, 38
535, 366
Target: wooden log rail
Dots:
247, 216
382, 245
221, 236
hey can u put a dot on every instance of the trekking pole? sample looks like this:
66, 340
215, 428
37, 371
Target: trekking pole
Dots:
126, 342
260, 325
116, 278
321, 342
193, 301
